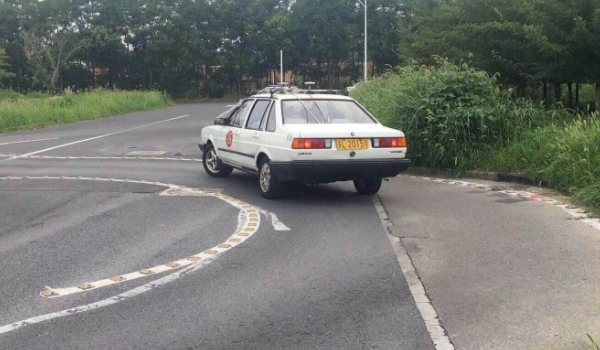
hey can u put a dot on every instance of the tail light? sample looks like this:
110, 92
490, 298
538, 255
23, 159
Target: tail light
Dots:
311, 143
389, 142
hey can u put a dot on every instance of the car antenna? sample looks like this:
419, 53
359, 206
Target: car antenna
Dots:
310, 85
280, 88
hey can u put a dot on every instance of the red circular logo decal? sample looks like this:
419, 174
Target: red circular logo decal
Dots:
229, 139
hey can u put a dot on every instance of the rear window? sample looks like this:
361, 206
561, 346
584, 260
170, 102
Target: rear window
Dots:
324, 112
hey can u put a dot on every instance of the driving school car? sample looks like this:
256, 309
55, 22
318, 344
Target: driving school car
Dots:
290, 135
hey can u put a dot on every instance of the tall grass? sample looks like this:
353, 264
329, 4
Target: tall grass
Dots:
19, 112
452, 114
595, 345
564, 156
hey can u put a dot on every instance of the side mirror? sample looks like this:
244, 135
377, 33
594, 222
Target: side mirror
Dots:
220, 121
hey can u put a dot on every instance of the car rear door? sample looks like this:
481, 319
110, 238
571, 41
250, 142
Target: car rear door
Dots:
250, 137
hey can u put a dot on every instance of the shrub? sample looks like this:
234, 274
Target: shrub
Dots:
451, 114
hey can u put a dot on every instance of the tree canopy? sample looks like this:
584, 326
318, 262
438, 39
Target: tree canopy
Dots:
192, 47
528, 42
211, 48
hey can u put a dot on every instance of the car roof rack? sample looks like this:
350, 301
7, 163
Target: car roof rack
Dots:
285, 88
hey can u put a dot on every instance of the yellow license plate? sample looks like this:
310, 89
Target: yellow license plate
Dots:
351, 144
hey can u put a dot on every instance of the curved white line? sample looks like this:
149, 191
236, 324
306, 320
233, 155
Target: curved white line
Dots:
249, 228
106, 302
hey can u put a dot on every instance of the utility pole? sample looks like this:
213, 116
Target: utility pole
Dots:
365, 63
281, 66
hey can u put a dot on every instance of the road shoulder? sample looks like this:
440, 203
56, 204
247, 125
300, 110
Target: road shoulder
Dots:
501, 271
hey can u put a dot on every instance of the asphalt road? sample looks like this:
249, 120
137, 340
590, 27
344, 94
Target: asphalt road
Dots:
68, 218
96, 213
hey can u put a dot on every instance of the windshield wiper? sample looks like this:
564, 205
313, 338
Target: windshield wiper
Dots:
308, 110
320, 111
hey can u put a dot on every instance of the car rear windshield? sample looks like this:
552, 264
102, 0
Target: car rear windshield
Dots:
324, 112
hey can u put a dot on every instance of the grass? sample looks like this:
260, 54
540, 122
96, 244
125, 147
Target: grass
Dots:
565, 156
595, 344
9, 95
21, 112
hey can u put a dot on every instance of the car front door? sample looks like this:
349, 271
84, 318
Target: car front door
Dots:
250, 137
230, 149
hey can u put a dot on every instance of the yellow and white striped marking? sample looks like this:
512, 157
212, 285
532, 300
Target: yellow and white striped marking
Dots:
570, 209
248, 224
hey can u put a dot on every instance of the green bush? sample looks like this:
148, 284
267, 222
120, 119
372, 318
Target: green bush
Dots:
564, 156
9, 95
587, 96
451, 114
30, 113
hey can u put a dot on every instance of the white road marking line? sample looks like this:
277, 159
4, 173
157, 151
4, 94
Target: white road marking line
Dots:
249, 222
96, 137
26, 141
97, 158
275, 222
432, 322
146, 153
569, 209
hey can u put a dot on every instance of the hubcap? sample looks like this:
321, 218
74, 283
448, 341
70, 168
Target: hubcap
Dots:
212, 161
265, 177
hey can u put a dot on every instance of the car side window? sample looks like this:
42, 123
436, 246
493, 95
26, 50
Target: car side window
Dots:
263, 123
233, 116
242, 113
256, 116
271, 122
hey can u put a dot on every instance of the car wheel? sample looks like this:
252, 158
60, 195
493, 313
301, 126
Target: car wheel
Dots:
368, 187
270, 187
213, 165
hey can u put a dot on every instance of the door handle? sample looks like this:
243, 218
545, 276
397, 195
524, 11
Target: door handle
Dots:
256, 136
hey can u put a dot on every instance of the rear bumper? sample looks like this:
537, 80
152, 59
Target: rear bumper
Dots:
331, 171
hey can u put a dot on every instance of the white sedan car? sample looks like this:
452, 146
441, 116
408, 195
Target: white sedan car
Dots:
301, 136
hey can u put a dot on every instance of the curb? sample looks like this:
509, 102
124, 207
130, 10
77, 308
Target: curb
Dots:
586, 216
483, 175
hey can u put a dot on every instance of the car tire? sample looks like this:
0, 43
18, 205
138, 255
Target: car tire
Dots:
268, 184
368, 187
213, 165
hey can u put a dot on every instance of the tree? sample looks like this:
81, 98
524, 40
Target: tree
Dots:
192, 47
3, 73
529, 42
49, 55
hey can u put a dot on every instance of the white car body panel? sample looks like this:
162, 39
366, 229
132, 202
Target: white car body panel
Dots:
248, 145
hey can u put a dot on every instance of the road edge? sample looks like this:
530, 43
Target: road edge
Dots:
436, 331
475, 174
